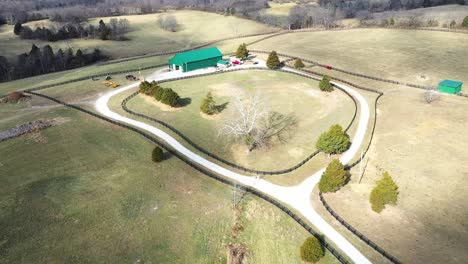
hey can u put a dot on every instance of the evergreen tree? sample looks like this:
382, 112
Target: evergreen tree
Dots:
170, 97
333, 178
311, 250
79, 59
392, 21
273, 61
298, 64
60, 62
159, 94
34, 60
325, 84
242, 52
17, 29
157, 155
5, 69
48, 59
104, 31
385, 192
453, 23
334, 141
465, 22
208, 106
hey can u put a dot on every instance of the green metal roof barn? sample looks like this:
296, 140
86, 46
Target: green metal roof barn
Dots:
449, 86
195, 59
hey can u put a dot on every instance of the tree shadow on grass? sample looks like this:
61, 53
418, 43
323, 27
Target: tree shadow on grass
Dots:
184, 101
221, 107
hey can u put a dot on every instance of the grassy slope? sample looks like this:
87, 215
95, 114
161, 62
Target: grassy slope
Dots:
316, 113
389, 53
64, 201
145, 35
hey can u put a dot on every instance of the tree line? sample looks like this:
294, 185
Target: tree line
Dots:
40, 61
115, 30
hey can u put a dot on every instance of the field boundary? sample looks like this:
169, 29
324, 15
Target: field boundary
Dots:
211, 155
208, 173
357, 233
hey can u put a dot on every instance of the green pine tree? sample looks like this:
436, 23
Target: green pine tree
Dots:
334, 141
333, 178
273, 61
392, 21
465, 22
453, 23
159, 94
385, 192
242, 52
170, 97
325, 84
311, 250
298, 64
208, 106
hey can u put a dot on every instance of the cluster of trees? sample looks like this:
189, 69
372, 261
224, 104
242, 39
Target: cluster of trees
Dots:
115, 30
334, 141
385, 192
252, 122
41, 61
242, 52
325, 84
312, 250
334, 177
273, 61
163, 95
168, 23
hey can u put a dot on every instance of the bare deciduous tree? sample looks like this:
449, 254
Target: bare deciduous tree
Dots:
254, 124
430, 96
168, 23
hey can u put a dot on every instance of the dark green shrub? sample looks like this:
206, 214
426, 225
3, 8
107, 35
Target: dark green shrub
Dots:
334, 177
453, 23
325, 84
170, 97
159, 94
298, 64
273, 61
157, 155
385, 192
311, 250
334, 141
465, 22
148, 88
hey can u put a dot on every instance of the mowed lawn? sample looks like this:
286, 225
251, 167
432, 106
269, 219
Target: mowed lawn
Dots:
86, 191
284, 93
195, 27
419, 57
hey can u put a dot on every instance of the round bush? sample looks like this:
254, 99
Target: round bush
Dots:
157, 155
312, 251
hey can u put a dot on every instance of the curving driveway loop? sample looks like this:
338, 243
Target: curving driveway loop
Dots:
297, 197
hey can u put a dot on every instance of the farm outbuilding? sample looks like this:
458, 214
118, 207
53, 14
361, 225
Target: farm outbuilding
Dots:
195, 59
449, 86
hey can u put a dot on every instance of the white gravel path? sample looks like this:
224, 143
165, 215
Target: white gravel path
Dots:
297, 197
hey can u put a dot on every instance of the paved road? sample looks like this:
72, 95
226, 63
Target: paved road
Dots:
298, 197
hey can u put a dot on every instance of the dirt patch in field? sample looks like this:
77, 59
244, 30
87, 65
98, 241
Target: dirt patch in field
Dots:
161, 106
210, 117
226, 89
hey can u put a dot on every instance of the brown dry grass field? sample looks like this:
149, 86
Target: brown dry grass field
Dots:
423, 147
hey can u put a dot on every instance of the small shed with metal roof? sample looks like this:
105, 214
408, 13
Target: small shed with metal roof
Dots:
449, 86
195, 59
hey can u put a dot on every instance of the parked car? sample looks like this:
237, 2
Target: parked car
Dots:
130, 77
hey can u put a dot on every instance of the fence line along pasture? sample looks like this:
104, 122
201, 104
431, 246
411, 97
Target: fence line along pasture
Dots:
357, 233
207, 172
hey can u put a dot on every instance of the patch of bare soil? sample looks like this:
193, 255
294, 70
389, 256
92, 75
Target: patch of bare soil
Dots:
163, 107
226, 89
16, 98
210, 117
237, 254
